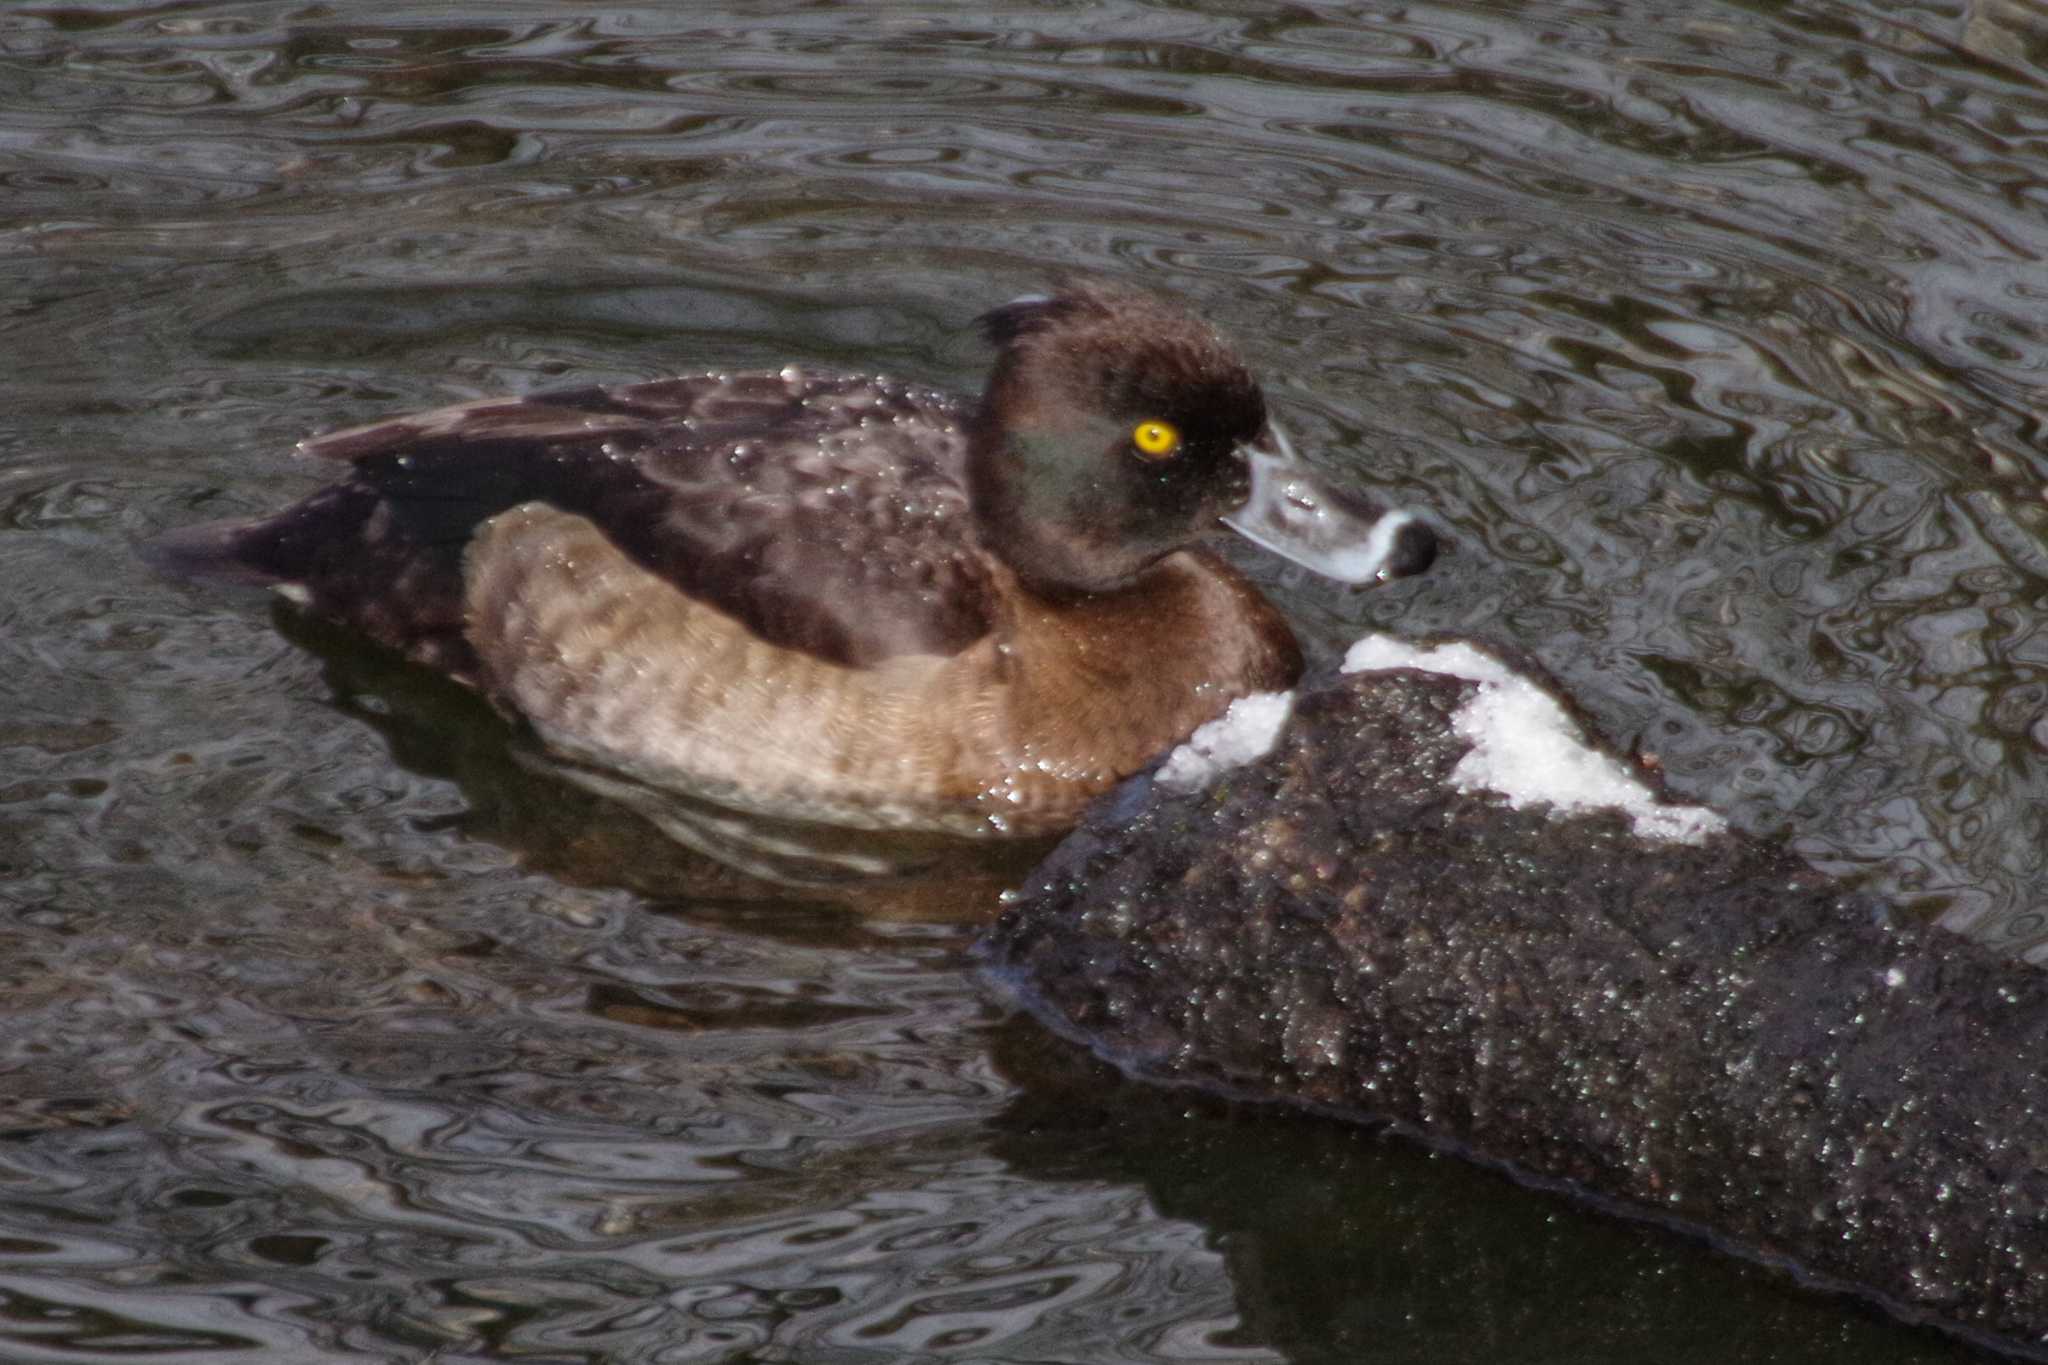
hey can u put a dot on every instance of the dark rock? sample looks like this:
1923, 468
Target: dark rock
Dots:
1710, 1034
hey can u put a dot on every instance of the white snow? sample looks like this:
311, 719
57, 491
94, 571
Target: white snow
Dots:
1244, 732
1524, 745
1527, 749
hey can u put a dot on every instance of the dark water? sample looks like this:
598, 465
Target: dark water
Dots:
1711, 332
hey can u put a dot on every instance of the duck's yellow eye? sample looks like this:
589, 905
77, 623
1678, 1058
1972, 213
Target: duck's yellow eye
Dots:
1156, 440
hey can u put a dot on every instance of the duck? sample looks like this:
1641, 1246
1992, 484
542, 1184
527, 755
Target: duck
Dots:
815, 624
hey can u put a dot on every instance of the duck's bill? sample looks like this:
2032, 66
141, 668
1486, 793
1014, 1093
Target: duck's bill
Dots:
1297, 514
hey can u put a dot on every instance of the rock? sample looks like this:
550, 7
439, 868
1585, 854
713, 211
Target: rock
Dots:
1707, 1031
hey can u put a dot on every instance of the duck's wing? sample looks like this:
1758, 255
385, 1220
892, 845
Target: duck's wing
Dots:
825, 514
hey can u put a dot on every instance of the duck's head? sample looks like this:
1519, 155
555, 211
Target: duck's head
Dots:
1116, 429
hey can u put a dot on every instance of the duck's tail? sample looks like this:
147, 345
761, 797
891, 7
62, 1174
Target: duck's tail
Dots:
287, 547
217, 551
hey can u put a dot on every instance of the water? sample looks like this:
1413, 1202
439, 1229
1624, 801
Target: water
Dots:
1709, 331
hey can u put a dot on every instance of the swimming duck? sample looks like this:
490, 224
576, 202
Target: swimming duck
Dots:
766, 609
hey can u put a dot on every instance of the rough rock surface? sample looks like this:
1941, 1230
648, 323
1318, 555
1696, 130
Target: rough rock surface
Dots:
1711, 1033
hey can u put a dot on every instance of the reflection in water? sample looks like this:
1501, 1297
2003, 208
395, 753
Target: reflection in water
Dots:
513, 797
1417, 1259
1711, 333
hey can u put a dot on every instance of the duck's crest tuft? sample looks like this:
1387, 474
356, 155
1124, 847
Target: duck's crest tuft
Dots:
1070, 301
1020, 317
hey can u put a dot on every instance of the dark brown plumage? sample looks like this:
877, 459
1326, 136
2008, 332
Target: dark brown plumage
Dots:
825, 511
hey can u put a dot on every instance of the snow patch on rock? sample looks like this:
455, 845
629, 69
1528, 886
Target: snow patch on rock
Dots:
1245, 732
1526, 748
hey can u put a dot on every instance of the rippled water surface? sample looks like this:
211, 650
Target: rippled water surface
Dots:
1710, 332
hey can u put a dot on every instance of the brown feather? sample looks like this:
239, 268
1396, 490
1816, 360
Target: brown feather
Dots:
617, 668
827, 512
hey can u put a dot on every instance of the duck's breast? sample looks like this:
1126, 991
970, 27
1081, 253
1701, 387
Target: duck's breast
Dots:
616, 667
